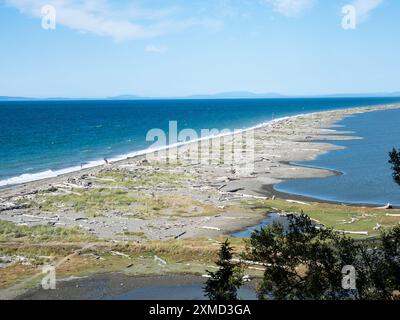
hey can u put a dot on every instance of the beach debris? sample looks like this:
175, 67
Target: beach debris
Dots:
364, 233
12, 206
246, 278
80, 218
377, 226
160, 261
298, 202
227, 195
117, 253
387, 207
6, 261
249, 262
211, 228
206, 276
352, 220
180, 235
392, 215
51, 189
254, 197
234, 190
38, 217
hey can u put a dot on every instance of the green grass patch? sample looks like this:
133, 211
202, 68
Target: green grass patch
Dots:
12, 232
93, 202
125, 178
135, 204
339, 217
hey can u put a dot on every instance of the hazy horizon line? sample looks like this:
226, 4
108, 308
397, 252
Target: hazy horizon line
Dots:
218, 95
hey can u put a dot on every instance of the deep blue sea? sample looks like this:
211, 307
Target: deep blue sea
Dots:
364, 163
44, 138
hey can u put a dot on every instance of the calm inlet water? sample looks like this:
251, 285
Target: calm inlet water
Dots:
272, 218
366, 173
40, 139
176, 292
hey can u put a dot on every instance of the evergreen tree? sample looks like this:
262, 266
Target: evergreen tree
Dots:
223, 284
306, 262
394, 160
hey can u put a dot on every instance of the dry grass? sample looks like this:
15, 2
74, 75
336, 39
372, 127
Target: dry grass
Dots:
339, 217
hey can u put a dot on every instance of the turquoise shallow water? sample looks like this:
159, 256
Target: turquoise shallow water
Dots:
366, 174
39, 139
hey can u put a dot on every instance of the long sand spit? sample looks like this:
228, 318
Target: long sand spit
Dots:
180, 196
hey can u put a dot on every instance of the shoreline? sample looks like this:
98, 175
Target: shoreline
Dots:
133, 154
93, 164
211, 195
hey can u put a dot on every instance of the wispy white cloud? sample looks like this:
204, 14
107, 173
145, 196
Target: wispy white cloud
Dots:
155, 48
365, 7
121, 21
291, 8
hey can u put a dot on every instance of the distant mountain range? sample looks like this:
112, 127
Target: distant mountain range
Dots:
222, 95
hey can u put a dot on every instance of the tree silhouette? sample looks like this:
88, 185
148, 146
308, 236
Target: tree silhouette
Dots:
394, 160
223, 284
306, 262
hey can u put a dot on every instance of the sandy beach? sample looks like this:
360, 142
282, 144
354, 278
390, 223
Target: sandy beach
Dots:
183, 199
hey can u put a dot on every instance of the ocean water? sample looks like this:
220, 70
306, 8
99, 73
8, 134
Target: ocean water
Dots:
364, 163
40, 139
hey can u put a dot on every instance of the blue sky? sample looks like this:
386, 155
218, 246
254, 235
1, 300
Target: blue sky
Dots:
178, 47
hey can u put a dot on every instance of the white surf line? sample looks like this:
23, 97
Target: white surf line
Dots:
24, 178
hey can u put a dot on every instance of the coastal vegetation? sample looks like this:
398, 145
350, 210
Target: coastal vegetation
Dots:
96, 202
12, 232
307, 262
140, 178
223, 283
347, 218
314, 263
394, 160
